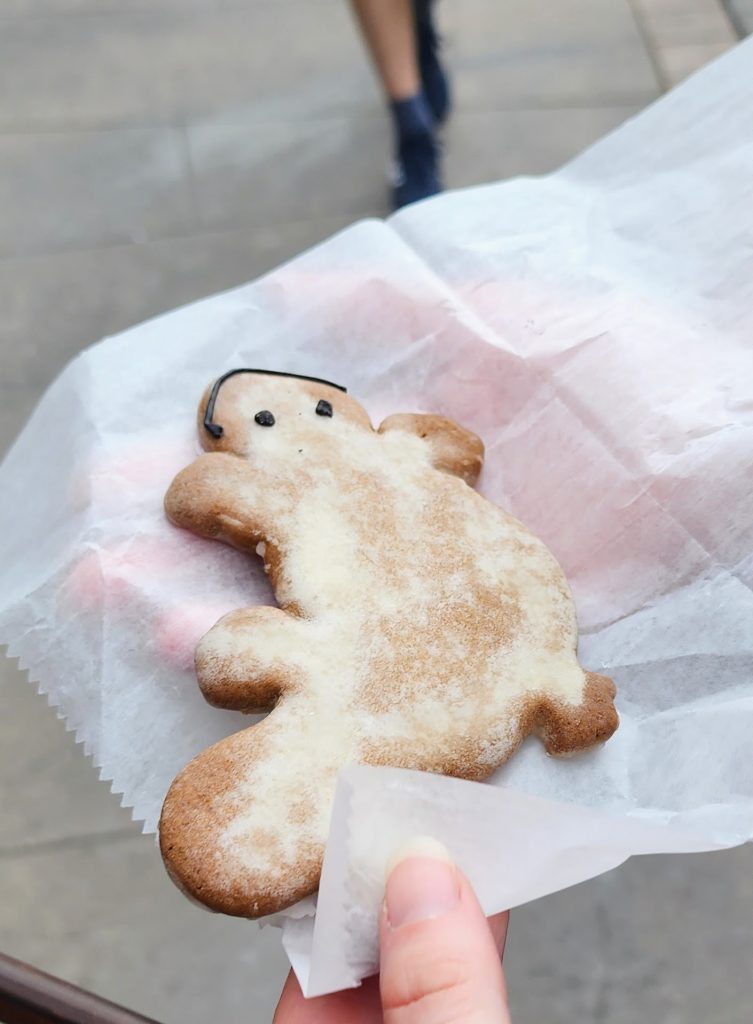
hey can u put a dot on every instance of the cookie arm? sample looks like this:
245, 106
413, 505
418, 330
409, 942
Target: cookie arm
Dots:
218, 497
453, 448
247, 660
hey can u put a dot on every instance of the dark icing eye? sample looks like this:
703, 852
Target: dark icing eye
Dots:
265, 418
323, 408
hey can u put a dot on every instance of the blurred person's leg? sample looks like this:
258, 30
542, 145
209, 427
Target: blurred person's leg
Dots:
433, 77
387, 27
392, 32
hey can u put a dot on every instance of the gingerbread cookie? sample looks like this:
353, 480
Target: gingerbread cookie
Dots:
418, 626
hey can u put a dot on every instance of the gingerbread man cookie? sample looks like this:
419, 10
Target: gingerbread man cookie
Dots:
418, 626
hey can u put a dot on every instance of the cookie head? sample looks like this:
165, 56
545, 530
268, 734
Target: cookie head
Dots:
258, 414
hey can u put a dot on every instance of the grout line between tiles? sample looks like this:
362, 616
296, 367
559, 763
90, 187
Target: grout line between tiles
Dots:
193, 185
650, 47
238, 228
525, 104
44, 846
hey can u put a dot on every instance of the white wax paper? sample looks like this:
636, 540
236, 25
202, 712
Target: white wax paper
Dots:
595, 328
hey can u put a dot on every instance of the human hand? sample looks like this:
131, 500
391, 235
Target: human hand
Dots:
440, 959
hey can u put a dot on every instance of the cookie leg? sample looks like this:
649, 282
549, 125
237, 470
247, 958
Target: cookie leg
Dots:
243, 664
244, 825
567, 728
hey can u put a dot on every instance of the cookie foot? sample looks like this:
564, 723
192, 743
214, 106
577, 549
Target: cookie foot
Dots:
243, 826
567, 728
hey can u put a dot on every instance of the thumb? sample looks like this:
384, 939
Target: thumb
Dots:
439, 961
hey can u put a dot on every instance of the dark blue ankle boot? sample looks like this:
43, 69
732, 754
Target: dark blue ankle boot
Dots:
416, 152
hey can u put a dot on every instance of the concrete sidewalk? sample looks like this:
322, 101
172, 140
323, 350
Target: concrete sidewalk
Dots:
155, 151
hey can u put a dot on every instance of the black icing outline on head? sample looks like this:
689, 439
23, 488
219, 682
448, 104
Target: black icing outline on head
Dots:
214, 428
323, 408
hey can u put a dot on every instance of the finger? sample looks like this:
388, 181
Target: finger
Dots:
353, 1006
439, 961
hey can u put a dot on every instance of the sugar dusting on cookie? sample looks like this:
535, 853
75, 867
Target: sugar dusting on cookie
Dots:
419, 626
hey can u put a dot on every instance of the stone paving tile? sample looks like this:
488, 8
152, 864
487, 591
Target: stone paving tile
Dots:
685, 34
78, 8
153, 66
525, 53
678, 62
55, 305
48, 789
489, 145
61, 191
685, 22
662, 938
246, 172
85, 73
104, 915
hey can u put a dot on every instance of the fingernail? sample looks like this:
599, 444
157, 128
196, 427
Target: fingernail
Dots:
422, 883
